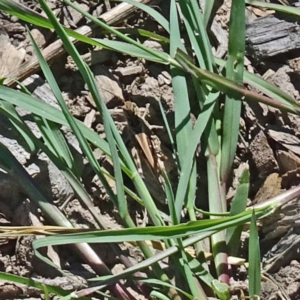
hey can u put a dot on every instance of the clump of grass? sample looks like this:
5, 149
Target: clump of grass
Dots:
215, 127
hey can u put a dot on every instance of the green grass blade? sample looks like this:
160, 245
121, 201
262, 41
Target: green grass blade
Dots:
207, 11
234, 71
193, 22
194, 139
51, 113
29, 282
22, 129
23, 13
150, 11
281, 8
72, 179
72, 123
254, 261
196, 266
267, 88
88, 78
230, 87
112, 136
150, 281
19, 124
193, 282
19, 10
9, 163
28, 15
121, 199
145, 33
221, 289
168, 129
133, 50
56, 142
183, 123
239, 204
220, 163
154, 54
154, 232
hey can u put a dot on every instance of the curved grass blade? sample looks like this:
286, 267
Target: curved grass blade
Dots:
230, 87
267, 88
281, 8
155, 232
30, 282
23, 13
154, 54
195, 265
159, 18
9, 107
26, 14
71, 121
53, 114
56, 142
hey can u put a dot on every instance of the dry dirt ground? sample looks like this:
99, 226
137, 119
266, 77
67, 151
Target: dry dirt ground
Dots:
269, 143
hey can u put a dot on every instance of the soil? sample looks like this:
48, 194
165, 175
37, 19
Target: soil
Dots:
131, 88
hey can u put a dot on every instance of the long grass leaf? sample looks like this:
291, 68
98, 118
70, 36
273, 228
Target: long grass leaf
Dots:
267, 88
194, 139
239, 204
155, 54
254, 261
9, 163
28, 15
133, 50
24, 132
56, 142
281, 8
30, 282
234, 71
154, 232
113, 137
72, 123
183, 123
230, 87
193, 22
72, 179
159, 18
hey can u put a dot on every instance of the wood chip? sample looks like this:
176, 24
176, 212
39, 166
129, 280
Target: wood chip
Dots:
287, 161
270, 188
109, 87
287, 140
270, 36
130, 70
262, 155
10, 57
89, 118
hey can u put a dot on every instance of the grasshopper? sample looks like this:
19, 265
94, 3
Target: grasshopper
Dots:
146, 152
